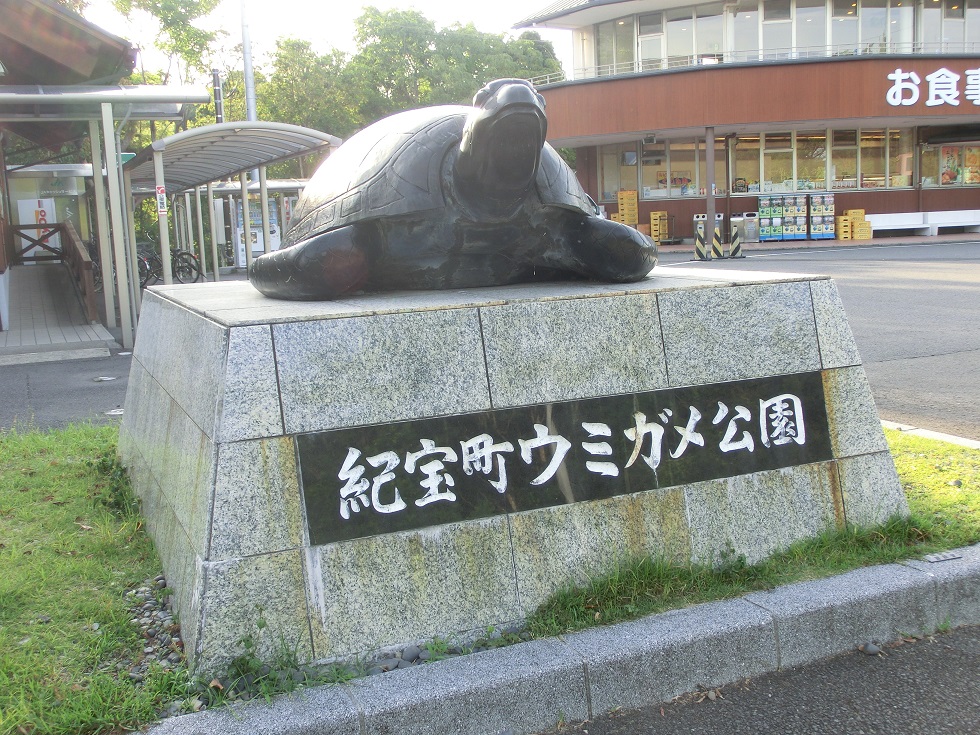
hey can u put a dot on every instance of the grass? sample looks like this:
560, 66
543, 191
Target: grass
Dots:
71, 544
942, 485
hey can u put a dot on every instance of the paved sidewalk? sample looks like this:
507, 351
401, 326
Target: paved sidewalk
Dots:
533, 686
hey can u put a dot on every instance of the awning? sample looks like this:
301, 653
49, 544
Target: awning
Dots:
198, 156
42, 42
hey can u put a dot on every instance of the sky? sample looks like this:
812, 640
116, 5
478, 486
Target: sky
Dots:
328, 25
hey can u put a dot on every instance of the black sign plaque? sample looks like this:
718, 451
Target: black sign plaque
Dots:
384, 478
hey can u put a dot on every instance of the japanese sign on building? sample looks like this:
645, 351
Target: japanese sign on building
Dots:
393, 477
941, 87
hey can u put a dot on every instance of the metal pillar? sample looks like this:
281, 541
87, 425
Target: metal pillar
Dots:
214, 233
709, 188
164, 220
264, 198
135, 294
188, 223
246, 221
118, 238
200, 231
102, 226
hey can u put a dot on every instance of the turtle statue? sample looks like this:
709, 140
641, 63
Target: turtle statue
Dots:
449, 197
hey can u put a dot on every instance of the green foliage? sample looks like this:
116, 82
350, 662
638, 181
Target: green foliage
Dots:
76, 6
112, 488
940, 481
67, 562
179, 37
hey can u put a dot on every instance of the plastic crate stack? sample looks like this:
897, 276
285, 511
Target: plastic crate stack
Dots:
853, 225
658, 226
629, 209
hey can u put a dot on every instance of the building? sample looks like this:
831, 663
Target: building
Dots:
876, 102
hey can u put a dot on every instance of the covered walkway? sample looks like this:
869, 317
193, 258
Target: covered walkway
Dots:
46, 319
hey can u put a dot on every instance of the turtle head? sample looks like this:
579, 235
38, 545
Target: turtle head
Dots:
501, 146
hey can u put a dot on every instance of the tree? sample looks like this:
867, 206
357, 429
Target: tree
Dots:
403, 61
179, 38
391, 70
76, 6
310, 90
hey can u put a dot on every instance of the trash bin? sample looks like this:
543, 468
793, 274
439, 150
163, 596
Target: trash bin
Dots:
750, 228
737, 222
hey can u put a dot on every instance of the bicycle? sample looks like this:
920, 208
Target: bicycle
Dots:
184, 266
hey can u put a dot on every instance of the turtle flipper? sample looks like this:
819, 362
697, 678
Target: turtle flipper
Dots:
610, 251
326, 266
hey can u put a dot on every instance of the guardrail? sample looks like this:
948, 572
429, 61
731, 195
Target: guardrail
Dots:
79, 264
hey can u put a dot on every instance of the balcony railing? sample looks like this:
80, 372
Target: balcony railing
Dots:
777, 55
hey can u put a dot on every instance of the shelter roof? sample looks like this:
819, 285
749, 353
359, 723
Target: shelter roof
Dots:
44, 43
200, 155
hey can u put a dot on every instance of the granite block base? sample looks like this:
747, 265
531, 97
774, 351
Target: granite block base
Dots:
367, 473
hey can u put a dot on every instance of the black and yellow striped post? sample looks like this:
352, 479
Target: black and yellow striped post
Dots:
717, 251
700, 250
735, 248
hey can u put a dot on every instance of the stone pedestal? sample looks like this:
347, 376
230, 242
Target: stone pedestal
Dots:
379, 470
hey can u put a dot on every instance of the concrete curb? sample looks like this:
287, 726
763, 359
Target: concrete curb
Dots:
30, 358
532, 686
929, 434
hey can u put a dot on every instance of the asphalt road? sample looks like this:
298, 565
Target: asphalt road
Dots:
915, 314
49, 395
925, 687
914, 311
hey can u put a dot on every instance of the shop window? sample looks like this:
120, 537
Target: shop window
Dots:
873, 159
971, 164
720, 167
844, 28
745, 177
931, 26
683, 169
617, 169
746, 30
811, 160
653, 171
950, 165
680, 37
972, 26
954, 24
929, 166
651, 30
651, 23
901, 26
777, 162
874, 26
605, 47
615, 46
776, 10
625, 44
709, 31
843, 159
901, 153
777, 29
811, 27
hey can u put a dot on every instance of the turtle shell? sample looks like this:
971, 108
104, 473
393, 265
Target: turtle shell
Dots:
394, 168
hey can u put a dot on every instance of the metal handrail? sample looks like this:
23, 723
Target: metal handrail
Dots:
778, 55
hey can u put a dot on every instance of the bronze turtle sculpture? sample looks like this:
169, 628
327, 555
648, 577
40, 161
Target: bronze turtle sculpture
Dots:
449, 197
